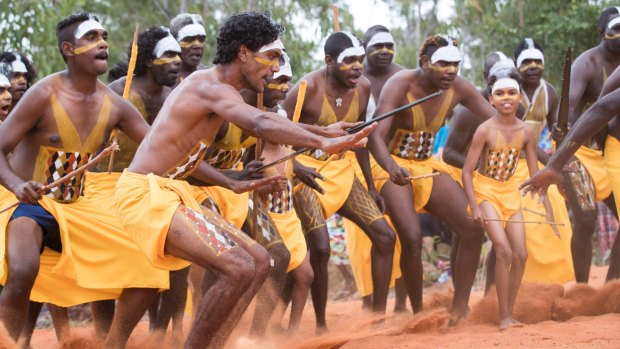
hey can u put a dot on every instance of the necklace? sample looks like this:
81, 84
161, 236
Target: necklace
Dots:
338, 99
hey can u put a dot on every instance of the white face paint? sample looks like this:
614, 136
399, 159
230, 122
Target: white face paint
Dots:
166, 44
18, 66
190, 30
85, 27
285, 70
613, 22
505, 83
275, 45
354, 51
448, 53
530, 53
4, 81
503, 63
381, 38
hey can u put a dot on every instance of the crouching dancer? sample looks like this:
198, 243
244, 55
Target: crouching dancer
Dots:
158, 207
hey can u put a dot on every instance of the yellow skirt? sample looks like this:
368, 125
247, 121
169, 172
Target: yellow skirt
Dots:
98, 258
145, 206
292, 235
503, 196
456, 173
612, 164
339, 175
422, 188
232, 206
594, 163
549, 258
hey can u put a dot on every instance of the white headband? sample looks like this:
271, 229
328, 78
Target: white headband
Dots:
166, 44
194, 29
18, 66
285, 69
275, 45
85, 27
4, 81
355, 50
505, 83
448, 53
381, 38
531, 52
613, 22
503, 63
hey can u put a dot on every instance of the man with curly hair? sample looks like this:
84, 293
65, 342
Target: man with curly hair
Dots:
22, 74
59, 246
403, 148
189, 30
157, 206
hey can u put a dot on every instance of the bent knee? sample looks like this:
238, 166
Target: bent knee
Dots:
503, 254
240, 268
23, 273
321, 252
412, 245
280, 255
519, 257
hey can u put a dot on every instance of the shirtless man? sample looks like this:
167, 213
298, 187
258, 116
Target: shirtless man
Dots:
603, 113
22, 74
378, 68
158, 207
60, 125
336, 93
156, 71
400, 154
590, 183
189, 31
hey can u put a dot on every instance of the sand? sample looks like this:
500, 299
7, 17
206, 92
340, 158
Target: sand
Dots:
573, 316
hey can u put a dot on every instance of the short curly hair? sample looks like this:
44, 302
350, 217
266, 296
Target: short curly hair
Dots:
10, 57
251, 29
147, 40
432, 44
66, 27
605, 17
118, 71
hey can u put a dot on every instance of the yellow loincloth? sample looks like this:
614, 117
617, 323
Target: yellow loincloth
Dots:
232, 206
503, 196
289, 227
455, 172
339, 175
422, 188
359, 246
612, 164
98, 258
594, 163
145, 205
549, 258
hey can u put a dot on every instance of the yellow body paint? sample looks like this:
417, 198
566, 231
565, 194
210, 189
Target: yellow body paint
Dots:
280, 87
166, 60
532, 65
446, 69
383, 50
86, 48
274, 62
185, 44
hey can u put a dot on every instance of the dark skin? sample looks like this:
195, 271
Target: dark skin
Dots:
153, 87
191, 56
342, 80
5, 102
378, 69
585, 88
447, 200
19, 85
31, 126
194, 111
592, 121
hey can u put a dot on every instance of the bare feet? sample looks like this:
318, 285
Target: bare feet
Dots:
509, 322
321, 330
457, 316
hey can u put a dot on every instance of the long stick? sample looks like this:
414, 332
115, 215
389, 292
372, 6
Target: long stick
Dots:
524, 222
258, 149
336, 13
130, 69
534, 211
111, 148
410, 178
563, 105
358, 127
